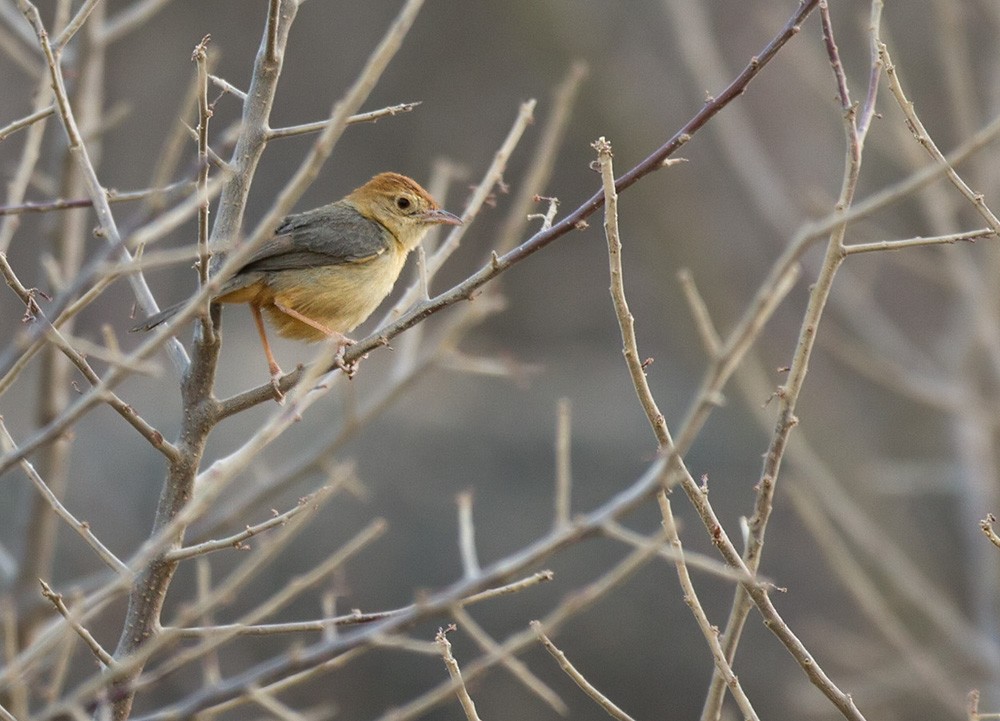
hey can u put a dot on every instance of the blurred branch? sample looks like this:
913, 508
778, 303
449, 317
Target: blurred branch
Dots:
788, 394
355, 618
114, 196
134, 16
81, 527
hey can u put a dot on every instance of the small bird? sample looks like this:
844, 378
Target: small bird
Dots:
326, 270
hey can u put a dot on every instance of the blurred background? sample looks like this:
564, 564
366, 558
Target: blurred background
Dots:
893, 462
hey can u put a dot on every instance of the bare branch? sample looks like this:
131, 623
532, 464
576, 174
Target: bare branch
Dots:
588, 688
456, 675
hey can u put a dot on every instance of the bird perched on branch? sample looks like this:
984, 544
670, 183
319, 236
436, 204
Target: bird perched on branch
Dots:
326, 270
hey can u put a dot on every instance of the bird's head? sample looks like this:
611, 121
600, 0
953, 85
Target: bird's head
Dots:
402, 206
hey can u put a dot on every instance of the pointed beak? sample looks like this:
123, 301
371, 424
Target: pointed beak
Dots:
440, 217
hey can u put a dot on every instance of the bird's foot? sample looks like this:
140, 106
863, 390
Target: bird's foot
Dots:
276, 374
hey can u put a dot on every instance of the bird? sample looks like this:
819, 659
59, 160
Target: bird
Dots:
324, 271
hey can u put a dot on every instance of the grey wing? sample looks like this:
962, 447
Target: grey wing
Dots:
331, 235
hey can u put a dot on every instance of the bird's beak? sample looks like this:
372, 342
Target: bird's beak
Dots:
440, 217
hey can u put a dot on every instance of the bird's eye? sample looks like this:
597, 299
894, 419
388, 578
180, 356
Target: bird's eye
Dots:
402, 202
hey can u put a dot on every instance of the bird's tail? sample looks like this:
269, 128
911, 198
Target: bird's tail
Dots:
157, 318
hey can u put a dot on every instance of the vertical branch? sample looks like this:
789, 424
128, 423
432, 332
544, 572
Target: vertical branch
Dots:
254, 125
564, 457
788, 394
200, 58
625, 320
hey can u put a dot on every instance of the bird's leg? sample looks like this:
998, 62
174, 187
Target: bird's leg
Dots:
342, 340
272, 364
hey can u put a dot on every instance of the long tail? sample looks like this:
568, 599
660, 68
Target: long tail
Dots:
157, 318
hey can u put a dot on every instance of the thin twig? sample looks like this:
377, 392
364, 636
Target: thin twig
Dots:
81, 527
987, 527
371, 116
925, 140
57, 600
200, 57
468, 706
519, 669
26, 121
626, 322
238, 540
710, 632
919, 242
578, 678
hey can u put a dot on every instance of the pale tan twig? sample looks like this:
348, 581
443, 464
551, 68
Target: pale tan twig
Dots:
114, 196
237, 540
924, 138
569, 607
491, 179
653, 414
16, 691
6, 715
788, 394
200, 58
699, 311
467, 535
564, 459
291, 590
468, 706
518, 668
626, 323
26, 121
700, 561
278, 710
74, 25
211, 670
17, 186
895, 572
987, 527
371, 116
271, 47
95, 648
355, 618
514, 587
918, 242
578, 678
81, 527
536, 180
710, 632
33, 311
